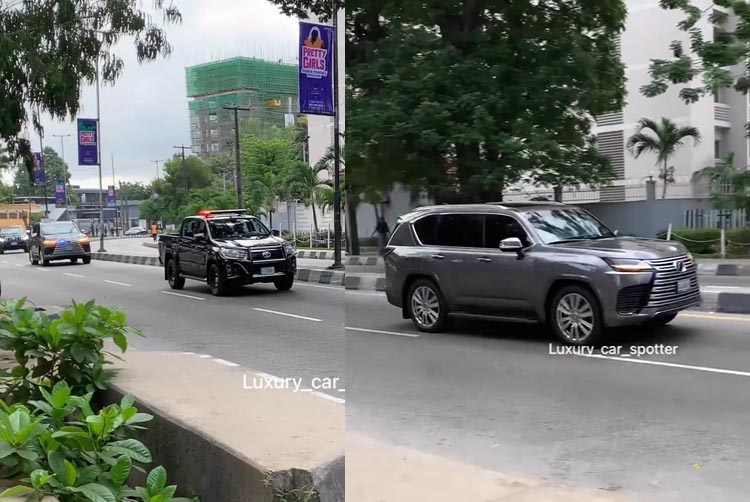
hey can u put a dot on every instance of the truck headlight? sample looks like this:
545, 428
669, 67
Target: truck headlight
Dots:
289, 249
628, 265
233, 253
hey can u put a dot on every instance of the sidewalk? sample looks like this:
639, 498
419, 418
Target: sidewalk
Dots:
377, 472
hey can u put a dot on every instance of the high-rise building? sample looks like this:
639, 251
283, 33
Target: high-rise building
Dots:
720, 118
269, 89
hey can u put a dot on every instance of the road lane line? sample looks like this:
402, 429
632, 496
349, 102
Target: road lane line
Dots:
335, 288
325, 396
366, 330
42, 269
118, 283
205, 356
19, 265
226, 363
289, 315
715, 317
6, 262
669, 365
72, 275
183, 296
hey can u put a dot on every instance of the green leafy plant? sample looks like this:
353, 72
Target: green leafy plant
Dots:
296, 495
70, 348
19, 439
156, 489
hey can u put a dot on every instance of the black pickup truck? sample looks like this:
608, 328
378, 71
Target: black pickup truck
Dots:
225, 249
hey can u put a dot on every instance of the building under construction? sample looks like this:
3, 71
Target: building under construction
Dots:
269, 89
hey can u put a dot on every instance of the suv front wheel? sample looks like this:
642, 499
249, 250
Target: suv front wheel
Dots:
575, 316
427, 307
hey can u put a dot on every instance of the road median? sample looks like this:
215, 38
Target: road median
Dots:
314, 276
225, 441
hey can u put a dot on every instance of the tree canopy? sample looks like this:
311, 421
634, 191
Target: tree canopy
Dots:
464, 98
48, 50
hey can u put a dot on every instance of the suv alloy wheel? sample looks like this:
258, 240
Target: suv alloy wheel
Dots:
426, 306
575, 316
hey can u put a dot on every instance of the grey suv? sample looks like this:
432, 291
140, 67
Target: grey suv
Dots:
534, 261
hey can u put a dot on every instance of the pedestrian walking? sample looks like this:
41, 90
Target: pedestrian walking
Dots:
154, 230
382, 230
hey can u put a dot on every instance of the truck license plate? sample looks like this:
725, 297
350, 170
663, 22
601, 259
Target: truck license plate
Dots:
267, 271
683, 285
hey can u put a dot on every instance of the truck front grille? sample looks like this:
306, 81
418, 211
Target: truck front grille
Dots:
271, 254
670, 271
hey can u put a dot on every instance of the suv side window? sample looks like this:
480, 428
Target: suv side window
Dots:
401, 236
426, 229
460, 230
498, 227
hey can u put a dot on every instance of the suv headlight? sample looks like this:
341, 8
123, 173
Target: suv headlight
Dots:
233, 253
289, 249
628, 265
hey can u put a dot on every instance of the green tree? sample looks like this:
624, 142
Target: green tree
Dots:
729, 186
305, 184
662, 139
705, 66
463, 98
49, 50
174, 202
135, 191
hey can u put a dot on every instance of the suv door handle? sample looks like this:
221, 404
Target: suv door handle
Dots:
438, 257
484, 260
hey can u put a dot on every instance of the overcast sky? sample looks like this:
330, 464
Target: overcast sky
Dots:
146, 113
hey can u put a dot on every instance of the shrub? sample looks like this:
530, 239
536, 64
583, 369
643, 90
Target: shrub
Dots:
70, 348
738, 242
700, 241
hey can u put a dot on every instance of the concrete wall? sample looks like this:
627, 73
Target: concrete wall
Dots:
645, 218
399, 202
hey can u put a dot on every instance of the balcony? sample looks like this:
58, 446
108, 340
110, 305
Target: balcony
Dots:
722, 115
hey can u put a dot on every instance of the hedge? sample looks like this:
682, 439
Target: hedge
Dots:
707, 241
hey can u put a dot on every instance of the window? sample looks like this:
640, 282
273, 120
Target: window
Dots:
401, 236
426, 229
717, 149
212, 117
564, 225
460, 230
187, 228
199, 227
499, 227
214, 133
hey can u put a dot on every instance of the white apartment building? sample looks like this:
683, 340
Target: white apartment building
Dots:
721, 118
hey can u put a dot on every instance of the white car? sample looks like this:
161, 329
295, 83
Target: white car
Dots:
136, 231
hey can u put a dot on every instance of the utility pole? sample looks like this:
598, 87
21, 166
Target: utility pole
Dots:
43, 167
67, 173
113, 188
157, 167
99, 161
336, 145
238, 170
184, 166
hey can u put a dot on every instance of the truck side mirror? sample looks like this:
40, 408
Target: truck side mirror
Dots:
275, 233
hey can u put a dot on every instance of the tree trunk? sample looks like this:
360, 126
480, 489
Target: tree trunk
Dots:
664, 179
315, 217
352, 232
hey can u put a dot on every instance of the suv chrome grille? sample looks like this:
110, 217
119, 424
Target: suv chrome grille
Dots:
670, 271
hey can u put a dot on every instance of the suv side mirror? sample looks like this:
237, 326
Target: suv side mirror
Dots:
275, 233
511, 245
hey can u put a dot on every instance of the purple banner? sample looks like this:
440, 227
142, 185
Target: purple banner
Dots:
111, 194
316, 42
61, 198
39, 176
88, 143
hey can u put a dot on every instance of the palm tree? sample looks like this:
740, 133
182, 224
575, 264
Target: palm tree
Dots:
730, 187
305, 184
662, 139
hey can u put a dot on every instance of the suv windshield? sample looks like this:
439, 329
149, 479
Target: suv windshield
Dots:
62, 228
11, 231
233, 229
565, 225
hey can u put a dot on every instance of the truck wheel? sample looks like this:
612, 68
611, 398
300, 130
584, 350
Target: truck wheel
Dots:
173, 276
34, 261
86, 260
284, 284
575, 316
45, 262
74, 260
216, 281
426, 305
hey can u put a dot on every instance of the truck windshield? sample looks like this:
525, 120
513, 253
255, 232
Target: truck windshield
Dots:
233, 229
565, 225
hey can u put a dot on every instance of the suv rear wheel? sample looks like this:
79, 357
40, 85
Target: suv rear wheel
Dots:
575, 316
427, 307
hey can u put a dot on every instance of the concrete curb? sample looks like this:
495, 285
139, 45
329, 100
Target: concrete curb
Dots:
320, 255
364, 261
724, 269
330, 277
151, 244
368, 282
117, 237
733, 303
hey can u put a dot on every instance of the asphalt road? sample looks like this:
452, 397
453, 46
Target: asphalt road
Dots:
675, 427
292, 334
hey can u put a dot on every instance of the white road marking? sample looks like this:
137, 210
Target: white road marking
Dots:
6, 262
72, 275
226, 363
188, 353
322, 395
204, 356
119, 283
183, 296
289, 315
334, 288
381, 332
20, 265
670, 365
715, 317
337, 400
357, 292
42, 269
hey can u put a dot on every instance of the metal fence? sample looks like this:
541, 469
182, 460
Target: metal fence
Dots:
621, 193
728, 219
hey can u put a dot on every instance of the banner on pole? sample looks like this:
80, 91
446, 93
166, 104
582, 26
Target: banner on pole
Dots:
60, 193
111, 194
88, 142
39, 176
316, 46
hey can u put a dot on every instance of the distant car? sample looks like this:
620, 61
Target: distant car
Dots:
60, 240
136, 231
13, 238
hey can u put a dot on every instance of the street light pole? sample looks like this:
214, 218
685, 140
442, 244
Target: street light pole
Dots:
336, 144
67, 173
157, 168
44, 171
99, 161
238, 170
184, 166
